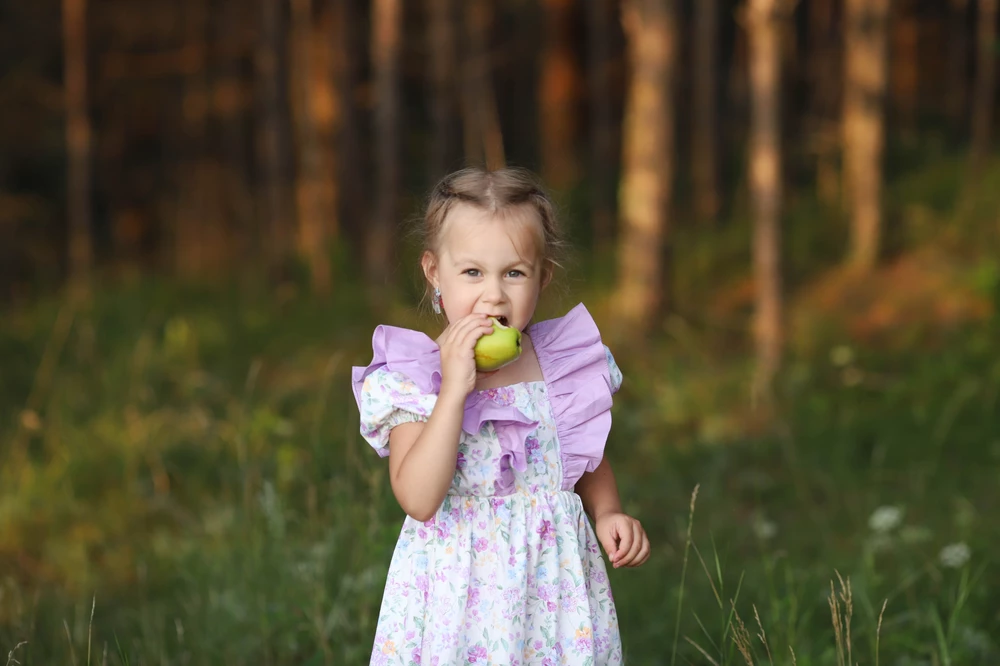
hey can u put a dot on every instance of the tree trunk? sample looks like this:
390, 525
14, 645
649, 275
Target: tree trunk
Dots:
958, 62
559, 88
864, 126
704, 117
386, 36
824, 110
80, 246
904, 62
982, 111
312, 186
354, 163
766, 186
441, 45
483, 138
273, 141
602, 158
647, 162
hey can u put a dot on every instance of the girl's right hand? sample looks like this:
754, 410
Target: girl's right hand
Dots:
458, 358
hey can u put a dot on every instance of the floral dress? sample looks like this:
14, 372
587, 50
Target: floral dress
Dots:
508, 571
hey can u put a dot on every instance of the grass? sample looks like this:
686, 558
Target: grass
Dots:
183, 482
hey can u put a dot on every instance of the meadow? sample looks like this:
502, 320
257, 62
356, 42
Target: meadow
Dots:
183, 480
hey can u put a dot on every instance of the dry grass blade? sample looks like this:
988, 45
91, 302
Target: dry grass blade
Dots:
680, 598
794, 663
702, 651
878, 629
10, 655
841, 611
72, 652
742, 638
708, 575
762, 636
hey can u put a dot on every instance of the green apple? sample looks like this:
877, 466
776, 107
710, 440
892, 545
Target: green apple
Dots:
499, 348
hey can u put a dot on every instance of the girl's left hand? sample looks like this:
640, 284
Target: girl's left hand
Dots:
623, 539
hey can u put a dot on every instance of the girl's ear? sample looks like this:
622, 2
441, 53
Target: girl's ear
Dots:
428, 262
547, 273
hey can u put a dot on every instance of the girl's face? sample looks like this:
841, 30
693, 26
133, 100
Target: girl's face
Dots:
488, 265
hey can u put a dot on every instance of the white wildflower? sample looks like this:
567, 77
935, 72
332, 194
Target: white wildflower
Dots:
955, 555
885, 519
764, 529
841, 355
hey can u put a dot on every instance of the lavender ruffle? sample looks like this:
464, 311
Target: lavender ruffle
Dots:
577, 378
575, 367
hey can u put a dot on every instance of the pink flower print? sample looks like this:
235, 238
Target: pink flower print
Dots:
481, 544
502, 396
548, 661
422, 533
538, 645
460, 461
600, 577
473, 598
547, 533
477, 654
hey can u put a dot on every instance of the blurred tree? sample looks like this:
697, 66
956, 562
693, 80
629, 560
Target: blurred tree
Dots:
904, 60
442, 48
273, 143
958, 62
705, 113
825, 84
865, 27
483, 137
78, 198
387, 21
354, 163
985, 90
600, 13
647, 163
764, 40
315, 111
559, 86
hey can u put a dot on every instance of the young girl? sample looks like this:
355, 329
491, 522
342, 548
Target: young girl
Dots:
496, 562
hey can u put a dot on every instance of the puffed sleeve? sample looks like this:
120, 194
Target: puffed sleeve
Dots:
613, 370
386, 400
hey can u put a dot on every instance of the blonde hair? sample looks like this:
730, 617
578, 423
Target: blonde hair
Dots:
499, 193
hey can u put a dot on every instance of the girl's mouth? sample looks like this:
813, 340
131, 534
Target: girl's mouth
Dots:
502, 320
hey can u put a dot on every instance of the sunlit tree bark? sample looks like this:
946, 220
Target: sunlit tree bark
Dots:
559, 89
824, 111
864, 125
312, 82
704, 144
386, 26
985, 90
482, 134
766, 186
602, 158
77, 144
647, 163
442, 48
273, 143
904, 60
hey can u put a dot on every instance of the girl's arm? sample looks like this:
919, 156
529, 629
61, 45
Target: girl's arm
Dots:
622, 536
422, 457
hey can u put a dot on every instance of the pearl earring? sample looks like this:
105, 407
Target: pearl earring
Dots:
436, 301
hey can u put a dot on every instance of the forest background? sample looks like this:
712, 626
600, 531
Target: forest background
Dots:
784, 216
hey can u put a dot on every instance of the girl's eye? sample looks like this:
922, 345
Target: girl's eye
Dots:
515, 273
472, 272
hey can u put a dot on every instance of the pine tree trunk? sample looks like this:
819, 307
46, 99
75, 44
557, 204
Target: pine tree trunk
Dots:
80, 250
864, 126
647, 163
602, 157
441, 45
482, 135
311, 187
958, 62
559, 88
766, 186
354, 163
386, 35
824, 110
704, 145
983, 101
904, 61
273, 141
